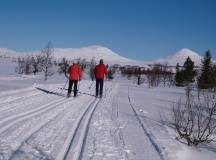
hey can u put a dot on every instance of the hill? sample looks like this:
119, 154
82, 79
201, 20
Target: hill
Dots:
180, 57
95, 51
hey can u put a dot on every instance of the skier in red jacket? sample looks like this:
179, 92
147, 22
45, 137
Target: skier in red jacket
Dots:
99, 72
75, 72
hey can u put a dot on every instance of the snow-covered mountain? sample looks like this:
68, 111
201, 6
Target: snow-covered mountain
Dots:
8, 52
180, 57
95, 51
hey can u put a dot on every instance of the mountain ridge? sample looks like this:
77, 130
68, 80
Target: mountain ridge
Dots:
100, 52
88, 52
180, 57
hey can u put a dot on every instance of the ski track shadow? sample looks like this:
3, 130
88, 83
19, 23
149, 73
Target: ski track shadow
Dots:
50, 92
89, 94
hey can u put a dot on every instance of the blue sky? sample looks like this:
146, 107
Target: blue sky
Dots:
138, 29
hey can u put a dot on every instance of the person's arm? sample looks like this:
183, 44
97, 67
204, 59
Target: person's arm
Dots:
69, 69
105, 70
95, 70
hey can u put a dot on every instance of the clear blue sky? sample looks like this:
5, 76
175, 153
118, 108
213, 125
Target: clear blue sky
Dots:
139, 29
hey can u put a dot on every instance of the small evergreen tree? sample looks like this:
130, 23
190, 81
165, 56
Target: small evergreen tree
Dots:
178, 76
214, 77
205, 79
188, 72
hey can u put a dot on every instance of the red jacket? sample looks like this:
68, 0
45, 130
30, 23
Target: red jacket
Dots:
75, 72
99, 71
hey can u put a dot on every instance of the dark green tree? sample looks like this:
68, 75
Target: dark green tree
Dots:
205, 78
214, 77
188, 73
178, 76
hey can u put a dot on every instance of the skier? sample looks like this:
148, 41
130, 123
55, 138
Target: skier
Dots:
99, 72
75, 72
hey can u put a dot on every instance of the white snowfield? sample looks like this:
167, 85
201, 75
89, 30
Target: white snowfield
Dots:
96, 52
40, 123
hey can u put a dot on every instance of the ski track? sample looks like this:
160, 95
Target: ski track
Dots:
6, 94
13, 129
41, 140
17, 100
11, 100
72, 149
8, 122
59, 132
104, 140
20, 95
55, 131
39, 119
147, 132
26, 104
119, 132
18, 129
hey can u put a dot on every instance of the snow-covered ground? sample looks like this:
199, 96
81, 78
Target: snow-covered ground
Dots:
37, 121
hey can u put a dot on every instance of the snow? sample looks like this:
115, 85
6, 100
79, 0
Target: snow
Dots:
180, 57
190, 153
37, 121
95, 51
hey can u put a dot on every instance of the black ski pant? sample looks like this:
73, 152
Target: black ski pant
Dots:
99, 86
71, 83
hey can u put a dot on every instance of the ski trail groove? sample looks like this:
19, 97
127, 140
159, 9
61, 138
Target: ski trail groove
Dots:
4, 94
10, 121
19, 99
6, 105
71, 149
115, 117
156, 146
40, 126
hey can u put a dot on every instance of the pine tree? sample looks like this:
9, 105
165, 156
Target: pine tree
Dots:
214, 77
179, 76
189, 72
205, 79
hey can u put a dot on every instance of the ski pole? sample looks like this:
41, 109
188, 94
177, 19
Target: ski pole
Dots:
91, 85
78, 85
104, 88
64, 85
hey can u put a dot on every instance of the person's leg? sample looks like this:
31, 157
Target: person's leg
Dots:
97, 87
101, 87
70, 87
75, 87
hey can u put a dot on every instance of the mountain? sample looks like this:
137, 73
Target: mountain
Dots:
8, 52
95, 51
180, 57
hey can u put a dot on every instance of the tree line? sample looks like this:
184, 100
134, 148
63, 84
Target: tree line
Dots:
45, 63
153, 76
204, 78
39, 63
